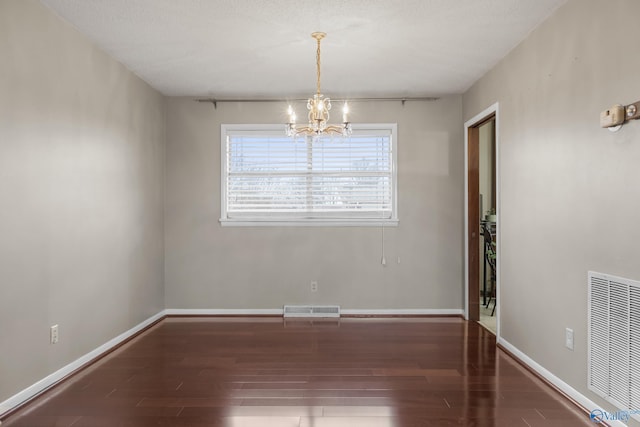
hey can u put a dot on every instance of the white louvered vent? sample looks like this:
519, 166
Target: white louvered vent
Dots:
311, 311
614, 340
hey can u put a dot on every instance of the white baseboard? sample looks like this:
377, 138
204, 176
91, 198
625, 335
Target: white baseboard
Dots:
53, 378
223, 312
571, 392
279, 312
402, 312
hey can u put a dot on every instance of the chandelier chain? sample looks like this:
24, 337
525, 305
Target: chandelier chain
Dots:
318, 65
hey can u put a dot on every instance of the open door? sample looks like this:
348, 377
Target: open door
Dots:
474, 242
473, 222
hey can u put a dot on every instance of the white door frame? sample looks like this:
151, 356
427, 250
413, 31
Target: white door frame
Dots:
477, 119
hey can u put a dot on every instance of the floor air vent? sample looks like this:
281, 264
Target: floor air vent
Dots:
614, 340
311, 311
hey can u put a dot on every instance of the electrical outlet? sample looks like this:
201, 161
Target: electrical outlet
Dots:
314, 286
568, 338
53, 334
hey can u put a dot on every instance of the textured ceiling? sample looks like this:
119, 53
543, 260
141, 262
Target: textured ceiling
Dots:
263, 48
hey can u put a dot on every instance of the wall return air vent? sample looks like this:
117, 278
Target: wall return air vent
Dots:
311, 311
614, 340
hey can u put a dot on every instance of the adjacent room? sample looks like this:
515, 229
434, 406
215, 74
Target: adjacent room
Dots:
277, 213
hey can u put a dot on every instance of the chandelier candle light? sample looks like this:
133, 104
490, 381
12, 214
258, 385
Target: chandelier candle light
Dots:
319, 107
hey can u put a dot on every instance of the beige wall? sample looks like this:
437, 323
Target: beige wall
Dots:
569, 190
208, 266
81, 196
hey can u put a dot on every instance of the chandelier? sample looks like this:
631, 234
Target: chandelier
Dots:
319, 107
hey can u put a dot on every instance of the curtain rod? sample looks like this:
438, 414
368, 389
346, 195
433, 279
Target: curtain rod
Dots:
215, 101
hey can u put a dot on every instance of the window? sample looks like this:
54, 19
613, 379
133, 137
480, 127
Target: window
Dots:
271, 179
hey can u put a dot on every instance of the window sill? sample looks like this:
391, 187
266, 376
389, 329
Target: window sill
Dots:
310, 223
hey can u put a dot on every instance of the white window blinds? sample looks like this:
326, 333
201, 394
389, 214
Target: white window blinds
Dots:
269, 177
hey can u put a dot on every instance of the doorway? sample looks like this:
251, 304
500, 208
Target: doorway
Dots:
481, 219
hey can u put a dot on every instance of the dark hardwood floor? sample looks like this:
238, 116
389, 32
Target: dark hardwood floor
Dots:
262, 372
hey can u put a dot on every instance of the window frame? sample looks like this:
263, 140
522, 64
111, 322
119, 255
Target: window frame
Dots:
265, 220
